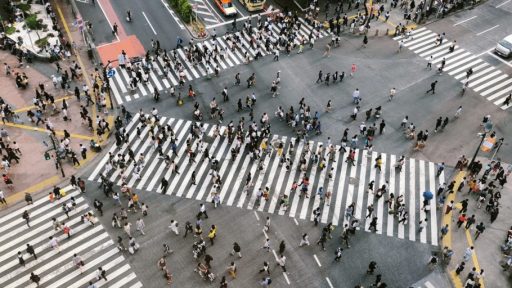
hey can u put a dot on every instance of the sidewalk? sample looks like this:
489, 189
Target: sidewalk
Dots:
34, 173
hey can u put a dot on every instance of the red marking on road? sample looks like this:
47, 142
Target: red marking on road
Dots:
112, 18
131, 45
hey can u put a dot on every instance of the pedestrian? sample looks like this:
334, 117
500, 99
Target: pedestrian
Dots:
212, 234
373, 224
99, 206
444, 231
337, 254
353, 70
507, 100
468, 253
432, 87
461, 220
392, 93
79, 263
202, 211
304, 240
449, 207
267, 224
371, 267
140, 226
440, 167
100, 273
223, 282
480, 228
54, 243
265, 268
237, 250
20, 259
422, 225
281, 261
232, 270
174, 227
30, 250
459, 268
266, 245
2, 198
26, 217
188, 228
28, 199
35, 278
163, 185
470, 221
127, 229
266, 281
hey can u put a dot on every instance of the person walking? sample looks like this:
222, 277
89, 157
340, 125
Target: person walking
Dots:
282, 247
232, 269
480, 228
54, 243
78, 262
26, 217
337, 254
212, 234
471, 220
202, 211
20, 259
281, 261
100, 273
35, 278
460, 268
237, 250
432, 87
127, 229
30, 250
265, 268
140, 226
304, 240
371, 267
266, 245
163, 185
373, 224
2, 198
174, 227
188, 228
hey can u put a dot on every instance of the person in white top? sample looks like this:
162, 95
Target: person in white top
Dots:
2, 197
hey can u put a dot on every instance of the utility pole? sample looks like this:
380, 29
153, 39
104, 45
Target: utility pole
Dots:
482, 135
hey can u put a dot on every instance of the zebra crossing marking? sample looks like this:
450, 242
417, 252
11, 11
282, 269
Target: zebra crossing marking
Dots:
348, 185
489, 82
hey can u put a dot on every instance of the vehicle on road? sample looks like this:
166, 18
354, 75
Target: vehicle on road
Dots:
253, 5
226, 7
504, 47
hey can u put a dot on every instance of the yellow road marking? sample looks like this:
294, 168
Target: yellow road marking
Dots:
33, 189
457, 283
82, 66
474, 258
23, 109
447, 218
44, 130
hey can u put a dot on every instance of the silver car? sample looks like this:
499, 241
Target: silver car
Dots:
504, 47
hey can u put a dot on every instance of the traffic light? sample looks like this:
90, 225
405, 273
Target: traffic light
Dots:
46, 156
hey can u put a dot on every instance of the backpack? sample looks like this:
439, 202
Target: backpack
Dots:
269, 281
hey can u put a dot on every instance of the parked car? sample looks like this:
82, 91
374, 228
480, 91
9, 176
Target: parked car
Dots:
504, 47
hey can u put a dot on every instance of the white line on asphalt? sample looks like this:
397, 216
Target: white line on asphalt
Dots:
149, 22
256, 214
458, 23
286, 278
110, 24
502, 4
173, 15
317, 261
269, 10
265, 233
485, 52
213, 10
497, 57
296, 222
329, 282
478, 34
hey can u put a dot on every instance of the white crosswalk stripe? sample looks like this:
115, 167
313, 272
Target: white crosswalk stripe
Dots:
120, 82
486, 80
349, 183
56, 269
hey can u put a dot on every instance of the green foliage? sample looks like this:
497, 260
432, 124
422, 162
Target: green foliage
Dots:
10, 30
33, 23
43, 42
24, 7
183, 8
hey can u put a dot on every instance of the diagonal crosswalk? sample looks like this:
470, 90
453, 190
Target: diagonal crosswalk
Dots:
159, 79
56, 269
347, 184
486, 80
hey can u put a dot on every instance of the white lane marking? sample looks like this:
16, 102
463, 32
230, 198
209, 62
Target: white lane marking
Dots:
497, 57
478, 34
286, 278
463, 21
173, 15
150, 25
502, 4
428, 284
109, 24
329, 282
317, 261
256, 214
296, 222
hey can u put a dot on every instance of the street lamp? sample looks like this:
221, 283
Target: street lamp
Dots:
482, 135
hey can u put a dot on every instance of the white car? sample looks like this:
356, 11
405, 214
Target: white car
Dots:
504, 47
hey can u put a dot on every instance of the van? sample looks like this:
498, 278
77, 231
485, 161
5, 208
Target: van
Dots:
504, 47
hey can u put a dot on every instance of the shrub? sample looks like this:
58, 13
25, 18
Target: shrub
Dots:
43, 42
10, 30
185, 10
33, 23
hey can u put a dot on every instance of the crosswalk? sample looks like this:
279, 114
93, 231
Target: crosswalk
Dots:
157, 78
486, 80
348, 184
56, 269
